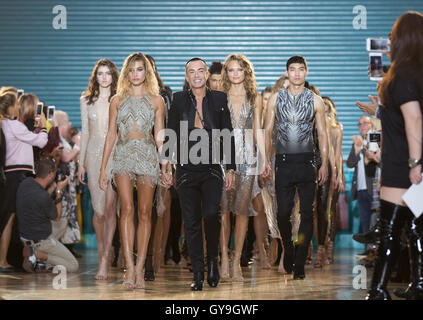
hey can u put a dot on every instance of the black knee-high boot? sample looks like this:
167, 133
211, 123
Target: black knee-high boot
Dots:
415, 248
392, 218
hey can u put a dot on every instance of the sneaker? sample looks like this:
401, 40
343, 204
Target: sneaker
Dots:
30, 260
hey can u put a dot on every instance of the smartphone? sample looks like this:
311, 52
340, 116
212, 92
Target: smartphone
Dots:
376, 67
378, 45
20, 92
50, 112
39, 107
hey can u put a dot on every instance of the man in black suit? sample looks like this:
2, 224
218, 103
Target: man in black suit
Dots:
196, 115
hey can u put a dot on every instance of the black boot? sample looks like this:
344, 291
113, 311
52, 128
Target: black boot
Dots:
299, 273
414, 290
149, 270
213, 276
369, 237
392, 219
197, 282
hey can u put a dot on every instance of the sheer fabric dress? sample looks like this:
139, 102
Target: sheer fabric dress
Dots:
95, 123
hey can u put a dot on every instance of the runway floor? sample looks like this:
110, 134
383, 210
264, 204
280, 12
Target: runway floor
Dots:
333, 282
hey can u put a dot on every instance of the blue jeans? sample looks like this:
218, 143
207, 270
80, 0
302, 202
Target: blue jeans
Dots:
365, 205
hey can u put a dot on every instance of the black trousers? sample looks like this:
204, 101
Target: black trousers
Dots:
295, 172
200, 194
323, 211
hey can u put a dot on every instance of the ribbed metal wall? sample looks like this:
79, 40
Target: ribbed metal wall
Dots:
56, 64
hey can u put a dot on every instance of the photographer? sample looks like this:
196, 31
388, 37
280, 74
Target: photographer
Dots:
19, 164
34, 210
68, 228
362, 185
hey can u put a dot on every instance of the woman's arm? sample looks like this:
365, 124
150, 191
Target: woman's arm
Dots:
159, 109
110, 140
413, 129
259, 136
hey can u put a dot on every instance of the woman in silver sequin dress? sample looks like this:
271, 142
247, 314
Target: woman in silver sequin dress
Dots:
95, 102
244, 200
134, 111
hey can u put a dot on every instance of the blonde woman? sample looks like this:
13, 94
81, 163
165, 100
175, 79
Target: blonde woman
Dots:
245, 106
335, 139
134, 111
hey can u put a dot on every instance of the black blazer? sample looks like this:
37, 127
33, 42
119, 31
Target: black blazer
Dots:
216, 115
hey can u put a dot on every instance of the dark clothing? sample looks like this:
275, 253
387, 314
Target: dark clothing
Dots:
200, 186
352, 162
293, 172
294, 121
322, 212
200, 193
34, 210
365, 205
215, 116
405, 87
4, 217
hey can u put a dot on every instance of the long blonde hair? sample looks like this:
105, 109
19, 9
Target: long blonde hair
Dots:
27, 106
249, 80
124, 85
333, 119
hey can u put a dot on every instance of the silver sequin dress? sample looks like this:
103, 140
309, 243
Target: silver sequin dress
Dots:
245, 187
136, 157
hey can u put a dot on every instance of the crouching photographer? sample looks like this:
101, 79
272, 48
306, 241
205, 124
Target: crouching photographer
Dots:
35, 209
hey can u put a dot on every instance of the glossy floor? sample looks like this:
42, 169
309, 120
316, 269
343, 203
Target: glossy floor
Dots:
333, 282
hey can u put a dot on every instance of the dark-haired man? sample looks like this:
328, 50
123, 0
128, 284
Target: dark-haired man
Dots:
215, 78
194, 114
293, 113
35, 210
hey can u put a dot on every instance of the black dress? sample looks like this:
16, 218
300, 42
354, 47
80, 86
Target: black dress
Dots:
405, 87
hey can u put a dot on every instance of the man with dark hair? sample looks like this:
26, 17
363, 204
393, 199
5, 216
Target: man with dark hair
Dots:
198, 112
215, 77
34, 210
294, 112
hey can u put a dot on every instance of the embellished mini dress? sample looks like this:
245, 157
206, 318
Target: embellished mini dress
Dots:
245, 187
137, 157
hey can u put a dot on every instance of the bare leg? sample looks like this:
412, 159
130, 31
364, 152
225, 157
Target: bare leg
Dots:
260, 226
5, 242
224, 239
145, 203
241, 226
98, 223
105, 227
110, 221
124, 186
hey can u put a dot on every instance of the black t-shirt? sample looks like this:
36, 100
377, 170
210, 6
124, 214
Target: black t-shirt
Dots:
405, 87
34, 210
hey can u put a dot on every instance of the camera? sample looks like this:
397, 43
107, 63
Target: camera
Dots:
373, 138
62, 172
